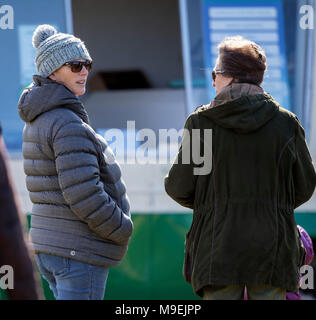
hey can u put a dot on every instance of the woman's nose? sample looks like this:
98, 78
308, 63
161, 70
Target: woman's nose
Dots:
84, 71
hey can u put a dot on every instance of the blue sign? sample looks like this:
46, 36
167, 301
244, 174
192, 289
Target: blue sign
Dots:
258, 21
18, 56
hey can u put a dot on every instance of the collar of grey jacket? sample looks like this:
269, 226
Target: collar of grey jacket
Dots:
44, 95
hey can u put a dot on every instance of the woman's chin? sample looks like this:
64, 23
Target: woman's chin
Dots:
80, 92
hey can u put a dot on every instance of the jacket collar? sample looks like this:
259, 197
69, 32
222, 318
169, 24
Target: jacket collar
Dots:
44, 95
241, 107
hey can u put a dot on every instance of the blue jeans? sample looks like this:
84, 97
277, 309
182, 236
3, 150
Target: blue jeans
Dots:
72, 280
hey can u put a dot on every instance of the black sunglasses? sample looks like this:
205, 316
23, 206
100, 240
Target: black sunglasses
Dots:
76, 66
215, 72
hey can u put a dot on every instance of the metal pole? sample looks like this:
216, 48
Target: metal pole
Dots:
300, 46
185, 37
312, 116
308, 78
69, 21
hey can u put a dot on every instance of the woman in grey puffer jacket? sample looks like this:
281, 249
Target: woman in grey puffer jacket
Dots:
80, 222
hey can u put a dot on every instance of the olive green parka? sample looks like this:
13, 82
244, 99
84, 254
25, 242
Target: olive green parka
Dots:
243, 230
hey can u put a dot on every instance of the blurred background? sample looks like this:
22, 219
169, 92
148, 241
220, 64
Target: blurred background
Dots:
152, 63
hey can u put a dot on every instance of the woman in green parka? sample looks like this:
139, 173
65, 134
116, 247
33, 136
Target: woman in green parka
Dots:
243, 231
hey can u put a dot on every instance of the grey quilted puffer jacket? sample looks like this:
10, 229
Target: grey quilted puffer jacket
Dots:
80, 207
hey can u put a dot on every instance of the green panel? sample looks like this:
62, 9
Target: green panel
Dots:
47, 292
152, 268
3, 295
308, 221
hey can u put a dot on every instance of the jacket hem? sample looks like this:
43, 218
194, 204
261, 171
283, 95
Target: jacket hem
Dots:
76, 255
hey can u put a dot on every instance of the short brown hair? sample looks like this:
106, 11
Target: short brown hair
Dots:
242, 59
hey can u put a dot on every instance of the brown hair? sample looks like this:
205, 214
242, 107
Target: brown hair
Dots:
242, 59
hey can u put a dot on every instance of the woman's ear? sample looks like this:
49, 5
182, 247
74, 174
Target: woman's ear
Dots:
52, 76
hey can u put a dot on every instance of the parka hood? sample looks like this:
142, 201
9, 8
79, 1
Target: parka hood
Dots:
44, 95
241, 107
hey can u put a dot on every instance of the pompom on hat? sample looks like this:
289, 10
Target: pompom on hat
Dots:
54, 49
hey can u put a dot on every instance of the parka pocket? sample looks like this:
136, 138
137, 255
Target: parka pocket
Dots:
187, 264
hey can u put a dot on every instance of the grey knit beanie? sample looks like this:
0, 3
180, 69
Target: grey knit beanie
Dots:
55, 49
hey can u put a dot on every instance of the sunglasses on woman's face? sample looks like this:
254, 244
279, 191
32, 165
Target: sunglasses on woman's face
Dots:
76, 66
215, 72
